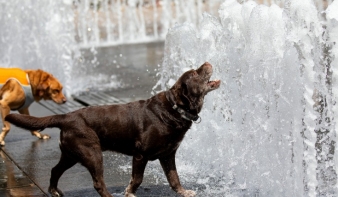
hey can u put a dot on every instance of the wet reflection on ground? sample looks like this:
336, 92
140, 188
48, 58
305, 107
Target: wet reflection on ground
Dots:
13, 182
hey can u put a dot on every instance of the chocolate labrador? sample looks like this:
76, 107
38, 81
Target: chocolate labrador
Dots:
145, 129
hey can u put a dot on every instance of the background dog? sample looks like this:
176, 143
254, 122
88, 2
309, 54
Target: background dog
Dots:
22, 87
145, 129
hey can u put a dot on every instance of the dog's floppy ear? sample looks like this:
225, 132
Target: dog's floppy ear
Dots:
189, 98
43, 84
184, 98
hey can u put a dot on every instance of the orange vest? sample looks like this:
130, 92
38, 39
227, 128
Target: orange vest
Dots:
17, 73
22, 77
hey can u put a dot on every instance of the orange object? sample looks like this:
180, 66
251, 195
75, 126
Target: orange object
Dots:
17, 73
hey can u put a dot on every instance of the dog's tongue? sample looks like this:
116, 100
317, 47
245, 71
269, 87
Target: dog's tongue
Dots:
214, 83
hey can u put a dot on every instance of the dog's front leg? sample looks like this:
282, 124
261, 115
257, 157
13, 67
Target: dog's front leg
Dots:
139, 164
35, 133
169, 167
5, 110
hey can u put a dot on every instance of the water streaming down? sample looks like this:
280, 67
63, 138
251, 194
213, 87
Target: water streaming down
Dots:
114, 22
270, 130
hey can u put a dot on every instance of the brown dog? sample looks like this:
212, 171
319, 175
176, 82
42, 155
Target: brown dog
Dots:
146, 129
20, 88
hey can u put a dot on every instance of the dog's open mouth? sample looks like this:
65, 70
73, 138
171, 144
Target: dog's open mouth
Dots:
214, 84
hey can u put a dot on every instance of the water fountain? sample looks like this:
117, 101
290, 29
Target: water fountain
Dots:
270, 129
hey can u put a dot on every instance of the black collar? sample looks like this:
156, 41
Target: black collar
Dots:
184, 114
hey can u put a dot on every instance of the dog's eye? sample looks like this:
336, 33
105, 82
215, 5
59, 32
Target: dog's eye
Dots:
55, 91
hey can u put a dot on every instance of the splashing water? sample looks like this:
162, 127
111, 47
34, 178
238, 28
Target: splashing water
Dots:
270, 129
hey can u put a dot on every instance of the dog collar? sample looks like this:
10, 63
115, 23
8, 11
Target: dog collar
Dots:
184, 114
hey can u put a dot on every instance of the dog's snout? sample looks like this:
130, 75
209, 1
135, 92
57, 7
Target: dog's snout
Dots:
205, 69
64, 100
207, 64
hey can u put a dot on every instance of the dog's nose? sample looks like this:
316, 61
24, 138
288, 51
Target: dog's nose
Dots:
64, 100
207, 64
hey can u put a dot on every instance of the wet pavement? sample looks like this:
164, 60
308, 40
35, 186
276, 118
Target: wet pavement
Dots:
26, 162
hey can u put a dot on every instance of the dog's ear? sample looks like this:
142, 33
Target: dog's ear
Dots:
183, 96
191, 97
42, 89
43, 84
184, 88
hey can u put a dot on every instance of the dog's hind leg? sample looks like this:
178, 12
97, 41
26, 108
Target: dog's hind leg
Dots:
35, 133
139, 164
91, 158
64, 164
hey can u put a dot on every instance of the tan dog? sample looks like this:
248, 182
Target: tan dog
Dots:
20, 88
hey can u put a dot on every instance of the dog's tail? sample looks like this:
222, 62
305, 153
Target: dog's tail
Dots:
35, 123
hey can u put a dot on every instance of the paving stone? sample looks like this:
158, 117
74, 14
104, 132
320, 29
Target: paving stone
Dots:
13, 182
70, 105
96, 98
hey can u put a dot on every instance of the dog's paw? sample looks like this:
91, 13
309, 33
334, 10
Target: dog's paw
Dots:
187, 193
2, 143
127, 194
40, 135
55, 192
44, 136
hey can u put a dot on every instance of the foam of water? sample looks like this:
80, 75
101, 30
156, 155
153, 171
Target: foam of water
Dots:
270, 127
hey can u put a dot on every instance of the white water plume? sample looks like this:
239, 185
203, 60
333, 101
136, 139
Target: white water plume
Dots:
270, 129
